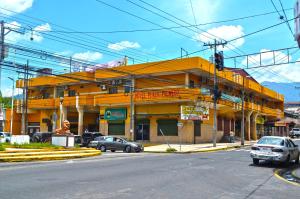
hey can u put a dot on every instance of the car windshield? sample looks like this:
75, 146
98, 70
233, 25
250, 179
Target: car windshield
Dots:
7, 134
295, 129
271, 141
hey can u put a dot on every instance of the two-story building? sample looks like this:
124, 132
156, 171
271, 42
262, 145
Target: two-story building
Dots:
152, 95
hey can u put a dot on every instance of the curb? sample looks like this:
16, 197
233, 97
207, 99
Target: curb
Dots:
202, 151
20, 150
294, 174
49, 157
277, 175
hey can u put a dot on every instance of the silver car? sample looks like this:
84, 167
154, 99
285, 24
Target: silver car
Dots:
275, 149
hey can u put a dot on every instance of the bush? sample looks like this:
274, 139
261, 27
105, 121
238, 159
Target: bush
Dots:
2, 148
170, 150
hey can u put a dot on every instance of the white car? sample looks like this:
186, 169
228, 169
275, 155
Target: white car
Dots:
5, 137
275, 149
295, 132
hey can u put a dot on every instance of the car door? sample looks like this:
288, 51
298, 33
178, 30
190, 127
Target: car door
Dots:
291, 149
295, 149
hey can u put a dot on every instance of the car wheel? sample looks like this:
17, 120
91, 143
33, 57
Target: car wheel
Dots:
255, 161
113, 150
287, 161
297, 160
127, 149
102, 148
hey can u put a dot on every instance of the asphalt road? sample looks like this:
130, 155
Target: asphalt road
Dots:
224, 174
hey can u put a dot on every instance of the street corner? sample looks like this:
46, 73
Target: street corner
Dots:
289, 175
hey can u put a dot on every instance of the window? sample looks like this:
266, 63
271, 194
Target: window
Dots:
127, 85
72, 93
60, 92
167, 126
109, 139
46, 95
113, 90
192, 84
116, 127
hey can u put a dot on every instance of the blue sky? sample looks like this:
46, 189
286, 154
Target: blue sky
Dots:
91, 16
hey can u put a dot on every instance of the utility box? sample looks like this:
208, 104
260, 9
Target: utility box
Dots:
63, 140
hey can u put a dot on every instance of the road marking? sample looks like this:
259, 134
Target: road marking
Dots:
276, 174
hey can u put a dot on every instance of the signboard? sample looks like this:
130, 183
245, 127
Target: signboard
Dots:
156, 94
115, 114
194, 113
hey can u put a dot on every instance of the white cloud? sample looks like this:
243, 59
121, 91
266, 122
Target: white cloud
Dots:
123, 45
88, 56
17, 6
223, 32
277, 73
35, 33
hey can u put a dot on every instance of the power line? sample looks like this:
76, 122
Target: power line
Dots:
286, 18
83, 33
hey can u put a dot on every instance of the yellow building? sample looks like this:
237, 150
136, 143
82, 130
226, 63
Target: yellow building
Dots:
101, 101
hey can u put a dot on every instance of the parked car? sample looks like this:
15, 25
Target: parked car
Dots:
113, 144
41, 137
5, 137
87, 137
295, 132
275, 149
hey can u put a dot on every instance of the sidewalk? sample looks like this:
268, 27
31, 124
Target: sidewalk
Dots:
193, 148
296, 173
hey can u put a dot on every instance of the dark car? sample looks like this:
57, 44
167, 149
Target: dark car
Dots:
87, 137
113, 144
41, 137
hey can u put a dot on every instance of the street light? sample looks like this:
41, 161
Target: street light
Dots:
12, 104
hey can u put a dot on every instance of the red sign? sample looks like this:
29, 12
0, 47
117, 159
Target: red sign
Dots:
156, 94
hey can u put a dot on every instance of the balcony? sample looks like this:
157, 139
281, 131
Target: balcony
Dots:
37, 104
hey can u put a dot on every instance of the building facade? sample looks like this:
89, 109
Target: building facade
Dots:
148, 98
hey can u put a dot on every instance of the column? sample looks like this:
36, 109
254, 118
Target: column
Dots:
248, 125
253, 126
80, 120
54, 92
187, 80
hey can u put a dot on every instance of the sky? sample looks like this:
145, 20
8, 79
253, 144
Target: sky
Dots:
68, 28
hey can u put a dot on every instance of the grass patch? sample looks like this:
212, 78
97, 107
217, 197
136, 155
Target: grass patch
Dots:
2, 148
32, 146
170, 150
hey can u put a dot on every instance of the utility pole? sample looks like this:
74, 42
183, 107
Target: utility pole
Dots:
214, 45
12, 105
25, 101
132, 116
2, 49
243, 115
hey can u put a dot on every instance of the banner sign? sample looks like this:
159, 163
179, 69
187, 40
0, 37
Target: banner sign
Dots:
115, 114
194, 113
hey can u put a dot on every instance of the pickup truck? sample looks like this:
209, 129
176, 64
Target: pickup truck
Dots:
295, 132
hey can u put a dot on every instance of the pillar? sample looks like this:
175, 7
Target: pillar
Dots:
187, 80
253, 126
54, 92
80, 120
248, 125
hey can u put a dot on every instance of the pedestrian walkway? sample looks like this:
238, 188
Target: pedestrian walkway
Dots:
296, 173
191, 148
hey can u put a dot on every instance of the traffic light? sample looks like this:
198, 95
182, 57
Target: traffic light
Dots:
217, 93
219, 60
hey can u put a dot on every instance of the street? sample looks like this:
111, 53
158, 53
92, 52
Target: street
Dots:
224, 174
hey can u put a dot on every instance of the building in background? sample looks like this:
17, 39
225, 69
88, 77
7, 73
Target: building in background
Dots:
173, 98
